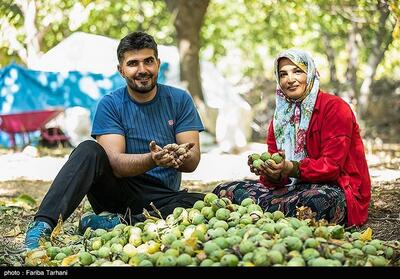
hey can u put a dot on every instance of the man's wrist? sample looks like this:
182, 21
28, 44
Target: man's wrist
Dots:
151, 161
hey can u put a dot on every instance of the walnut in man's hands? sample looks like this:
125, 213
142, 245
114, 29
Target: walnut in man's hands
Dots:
178, 152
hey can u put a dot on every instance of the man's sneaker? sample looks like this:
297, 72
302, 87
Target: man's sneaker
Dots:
36, 231
104, 220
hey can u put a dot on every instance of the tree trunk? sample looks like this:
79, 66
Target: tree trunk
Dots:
330, 55
380, 44
141, 12
188, 18
352, 64
28, 9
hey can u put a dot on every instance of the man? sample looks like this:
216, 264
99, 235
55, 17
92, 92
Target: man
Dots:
127, 168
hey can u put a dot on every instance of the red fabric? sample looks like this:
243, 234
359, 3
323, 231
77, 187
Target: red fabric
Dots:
335, 154
26, 121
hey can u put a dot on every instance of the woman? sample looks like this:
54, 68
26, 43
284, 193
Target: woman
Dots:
324, 166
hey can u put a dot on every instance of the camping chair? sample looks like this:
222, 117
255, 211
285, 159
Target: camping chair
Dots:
54, 136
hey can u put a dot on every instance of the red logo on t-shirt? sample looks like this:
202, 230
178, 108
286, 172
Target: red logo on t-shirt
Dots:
170, 122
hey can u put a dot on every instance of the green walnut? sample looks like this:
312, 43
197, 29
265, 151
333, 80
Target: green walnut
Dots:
255, 156
265, 156
277, 158
257, 163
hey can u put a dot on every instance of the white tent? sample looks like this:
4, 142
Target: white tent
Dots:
81, 52
98, 54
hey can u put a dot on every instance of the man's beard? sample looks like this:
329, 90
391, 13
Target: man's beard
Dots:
140, 88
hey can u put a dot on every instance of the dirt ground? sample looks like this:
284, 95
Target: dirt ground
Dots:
19, 200
384, 214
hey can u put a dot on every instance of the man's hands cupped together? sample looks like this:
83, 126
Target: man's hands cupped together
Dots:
170, 156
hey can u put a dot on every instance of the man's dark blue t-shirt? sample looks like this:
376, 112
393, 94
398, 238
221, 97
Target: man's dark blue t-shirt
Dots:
171, 112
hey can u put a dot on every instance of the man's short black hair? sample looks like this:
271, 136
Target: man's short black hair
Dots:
136, 41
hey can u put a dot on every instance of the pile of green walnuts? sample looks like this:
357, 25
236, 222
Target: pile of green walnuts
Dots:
259, 159
216, 232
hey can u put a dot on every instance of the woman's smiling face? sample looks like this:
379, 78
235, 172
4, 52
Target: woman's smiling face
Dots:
292, 79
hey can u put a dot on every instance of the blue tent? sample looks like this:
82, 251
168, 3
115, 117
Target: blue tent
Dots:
24, 90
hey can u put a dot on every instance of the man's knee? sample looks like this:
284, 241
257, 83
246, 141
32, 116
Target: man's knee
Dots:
90, 148
89, 144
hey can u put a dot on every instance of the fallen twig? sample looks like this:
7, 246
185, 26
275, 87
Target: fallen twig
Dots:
385, 218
